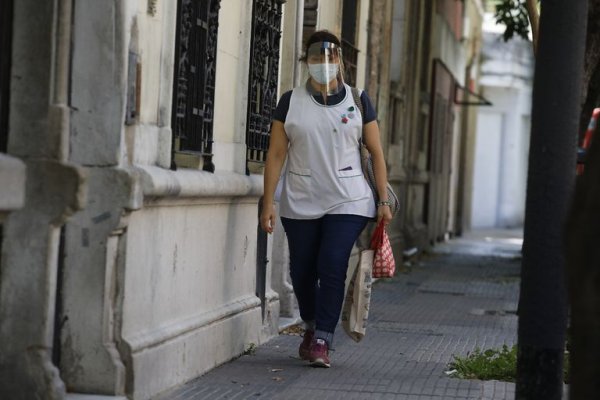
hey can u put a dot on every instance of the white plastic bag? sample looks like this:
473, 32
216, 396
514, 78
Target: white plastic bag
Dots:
358, 297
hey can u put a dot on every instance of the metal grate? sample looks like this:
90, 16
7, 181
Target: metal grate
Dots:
5, 61
264, 66
194, 86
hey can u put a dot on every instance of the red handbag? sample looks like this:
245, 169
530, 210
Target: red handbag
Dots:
384, 264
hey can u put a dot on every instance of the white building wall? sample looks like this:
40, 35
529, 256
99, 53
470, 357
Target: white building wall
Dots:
363, 34
44, 192
190, 279
190, 273
330, 16
158, 276
488, 145
503, 133
447, 48
160, 273
231, 95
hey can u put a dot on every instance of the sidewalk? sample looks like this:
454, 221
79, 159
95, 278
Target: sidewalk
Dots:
451, 302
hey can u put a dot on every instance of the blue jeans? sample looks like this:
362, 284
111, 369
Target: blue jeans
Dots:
319, 253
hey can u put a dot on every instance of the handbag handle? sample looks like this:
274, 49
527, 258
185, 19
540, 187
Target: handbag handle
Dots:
377, 237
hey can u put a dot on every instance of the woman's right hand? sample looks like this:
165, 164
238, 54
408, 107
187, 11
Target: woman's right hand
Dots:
267, 218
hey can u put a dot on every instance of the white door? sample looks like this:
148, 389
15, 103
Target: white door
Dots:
486, 175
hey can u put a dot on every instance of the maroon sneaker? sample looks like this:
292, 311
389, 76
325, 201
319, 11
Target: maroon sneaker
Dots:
304, 349
319, 354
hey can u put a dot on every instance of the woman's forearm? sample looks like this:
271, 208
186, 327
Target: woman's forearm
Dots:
273, 167
371, 135
380, 171
276, 156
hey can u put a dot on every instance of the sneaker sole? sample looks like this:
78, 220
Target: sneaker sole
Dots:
319, 363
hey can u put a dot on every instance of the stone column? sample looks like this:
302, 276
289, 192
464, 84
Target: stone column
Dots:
39, 132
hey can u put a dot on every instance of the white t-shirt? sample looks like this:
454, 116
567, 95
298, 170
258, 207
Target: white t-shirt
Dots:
323, 174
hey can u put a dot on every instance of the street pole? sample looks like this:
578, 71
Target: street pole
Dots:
551, 177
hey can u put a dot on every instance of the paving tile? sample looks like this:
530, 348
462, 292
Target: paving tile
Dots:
449, 304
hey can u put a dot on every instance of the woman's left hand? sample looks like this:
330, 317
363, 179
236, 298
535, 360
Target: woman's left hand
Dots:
384, 213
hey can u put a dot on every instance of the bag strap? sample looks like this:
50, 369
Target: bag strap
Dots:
359, 105
377, 237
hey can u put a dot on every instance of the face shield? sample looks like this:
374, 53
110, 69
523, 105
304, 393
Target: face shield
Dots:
325, 68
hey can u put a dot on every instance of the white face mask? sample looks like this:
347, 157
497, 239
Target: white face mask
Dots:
323, 73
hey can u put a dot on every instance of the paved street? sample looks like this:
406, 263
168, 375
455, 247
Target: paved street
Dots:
459, 298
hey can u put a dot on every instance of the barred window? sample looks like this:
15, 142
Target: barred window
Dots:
349, 50
311, 12
264, 68
194, 85
350, 57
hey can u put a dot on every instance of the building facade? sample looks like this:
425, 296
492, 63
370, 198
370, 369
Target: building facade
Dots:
134, 135
503, 131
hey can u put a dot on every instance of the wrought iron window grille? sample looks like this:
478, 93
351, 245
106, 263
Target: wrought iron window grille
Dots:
263, 79
194, 84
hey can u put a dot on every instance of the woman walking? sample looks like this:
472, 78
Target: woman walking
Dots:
325, 200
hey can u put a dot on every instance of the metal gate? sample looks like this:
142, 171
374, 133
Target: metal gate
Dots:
263, 79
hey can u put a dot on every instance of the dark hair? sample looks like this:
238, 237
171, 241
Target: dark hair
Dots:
319, 36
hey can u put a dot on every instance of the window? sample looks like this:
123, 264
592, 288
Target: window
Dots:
264, 68
310, 18
349, 50
5, 61
194, 84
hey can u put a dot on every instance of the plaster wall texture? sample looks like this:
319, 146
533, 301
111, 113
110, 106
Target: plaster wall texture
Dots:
447, 48
152, 38
98, 82
189, 296
47, 191
231, 97
189, 355
162, 265
149, 145
90, 309
329, 16
509, 146
12, 175
487, 170
506, 64
165, 285
156, 54
289, 66
363, 34
399, 23
186, 261
28, 285
30, 91
506, 78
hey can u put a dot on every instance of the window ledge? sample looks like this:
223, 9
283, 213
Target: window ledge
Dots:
12, 175
160, 182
